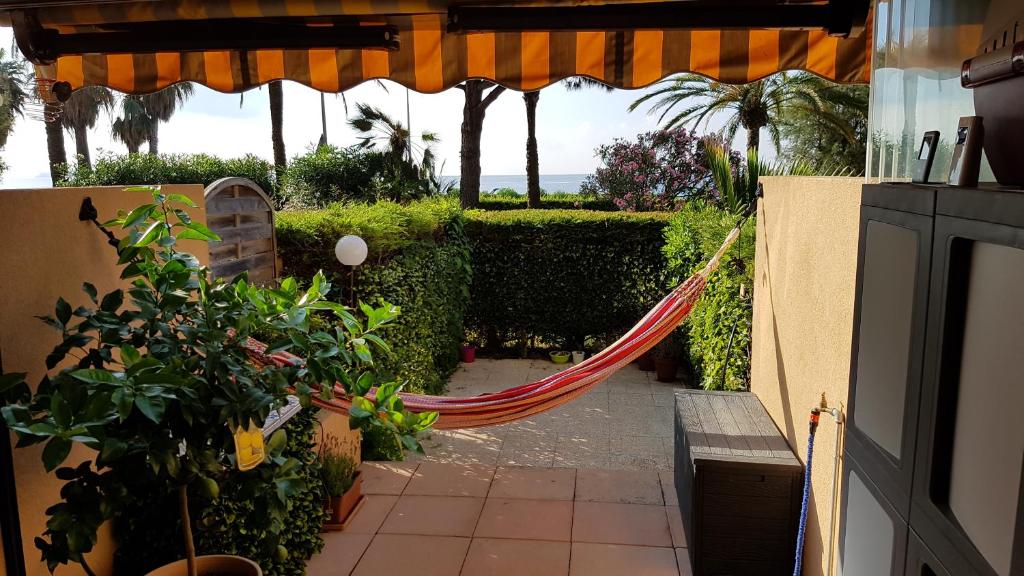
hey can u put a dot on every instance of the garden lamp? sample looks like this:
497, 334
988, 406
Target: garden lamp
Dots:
351, 251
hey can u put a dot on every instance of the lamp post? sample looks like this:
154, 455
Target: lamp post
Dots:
351, 251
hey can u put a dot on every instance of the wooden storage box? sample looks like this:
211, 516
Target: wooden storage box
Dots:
739, 485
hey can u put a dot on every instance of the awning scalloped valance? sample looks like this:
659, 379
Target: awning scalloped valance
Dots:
235, 45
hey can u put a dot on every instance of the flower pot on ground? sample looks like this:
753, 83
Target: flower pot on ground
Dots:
219, 565
578, 356
666, 369
559, 357
646, 362
342, 480
468, 353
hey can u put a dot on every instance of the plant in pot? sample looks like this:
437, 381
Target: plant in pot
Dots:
342, 480
468, 352
157, 380
666, 357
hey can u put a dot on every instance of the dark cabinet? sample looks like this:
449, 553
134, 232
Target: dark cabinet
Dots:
937, 378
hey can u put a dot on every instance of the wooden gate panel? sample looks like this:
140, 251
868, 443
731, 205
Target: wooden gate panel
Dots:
243, 216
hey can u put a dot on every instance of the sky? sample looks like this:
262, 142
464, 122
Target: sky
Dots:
570, 125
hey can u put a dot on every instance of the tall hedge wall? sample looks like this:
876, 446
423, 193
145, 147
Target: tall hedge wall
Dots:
563, 276
694, 234
548, 201
419, 260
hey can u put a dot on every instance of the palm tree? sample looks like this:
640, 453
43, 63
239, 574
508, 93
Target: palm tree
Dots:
133, 127
160, 106
761, 104
532, 159
473, 112
276, 90
377, 129
81, 112
55, 144
13, 95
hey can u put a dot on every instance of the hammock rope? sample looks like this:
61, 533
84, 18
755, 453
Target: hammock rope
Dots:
529, 399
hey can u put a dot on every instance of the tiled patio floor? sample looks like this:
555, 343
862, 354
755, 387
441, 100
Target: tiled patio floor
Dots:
624, 423
442, 519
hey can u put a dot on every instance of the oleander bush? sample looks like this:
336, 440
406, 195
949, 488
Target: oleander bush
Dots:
562, 277
694, 234
419, 261
138, 169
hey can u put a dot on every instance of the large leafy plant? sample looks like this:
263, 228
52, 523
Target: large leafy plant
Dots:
156, 380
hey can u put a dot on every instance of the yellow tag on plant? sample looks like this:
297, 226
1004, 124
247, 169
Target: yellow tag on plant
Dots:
249, 447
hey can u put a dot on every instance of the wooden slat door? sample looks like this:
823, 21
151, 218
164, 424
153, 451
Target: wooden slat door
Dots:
241, 213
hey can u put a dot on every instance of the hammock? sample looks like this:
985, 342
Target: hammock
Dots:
555, 390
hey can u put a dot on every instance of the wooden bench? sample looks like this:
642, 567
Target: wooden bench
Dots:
739, 485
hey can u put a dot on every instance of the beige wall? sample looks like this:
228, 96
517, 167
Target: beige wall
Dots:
805, 279
47, 253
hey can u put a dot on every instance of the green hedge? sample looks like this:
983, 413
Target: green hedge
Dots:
554, 201
563, 276
419, 260
149, 533
134, 169
694, 234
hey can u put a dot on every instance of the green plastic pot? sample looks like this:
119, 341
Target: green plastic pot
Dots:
559, 357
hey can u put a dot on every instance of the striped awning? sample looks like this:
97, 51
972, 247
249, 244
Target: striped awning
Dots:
423, 53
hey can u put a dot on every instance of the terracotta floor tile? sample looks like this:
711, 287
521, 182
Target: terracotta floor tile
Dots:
434, 479
534, 483
433, 515
675, 526
624, 486
341, 552
420, 555
525, 519
609, 523
371, 514
489, 557
668, 487
613, 560
683, 560
386, 477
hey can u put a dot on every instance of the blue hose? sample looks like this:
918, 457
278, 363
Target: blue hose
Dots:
798, 565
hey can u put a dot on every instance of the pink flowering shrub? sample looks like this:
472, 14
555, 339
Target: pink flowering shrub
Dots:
654, 172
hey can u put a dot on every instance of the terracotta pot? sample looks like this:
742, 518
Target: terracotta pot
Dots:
221, 565
468, 354
666, 369
341, 506
646, 362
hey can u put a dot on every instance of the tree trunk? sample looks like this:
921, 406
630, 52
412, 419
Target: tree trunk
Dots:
82, 146
133, 147
186, 529
472, 128
532, 161
154, 136
754, 138
58, 154
276, 90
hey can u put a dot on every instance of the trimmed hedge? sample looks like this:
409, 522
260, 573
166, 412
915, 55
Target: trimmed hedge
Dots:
149, 533
693, 236
419, 260
563, 276
136, 169
555, 201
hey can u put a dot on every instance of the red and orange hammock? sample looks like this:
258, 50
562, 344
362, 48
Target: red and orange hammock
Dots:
555, 390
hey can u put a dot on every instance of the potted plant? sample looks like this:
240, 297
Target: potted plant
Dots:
468, 352
342, 481
578, 356
159, 382
666, 358
559, 356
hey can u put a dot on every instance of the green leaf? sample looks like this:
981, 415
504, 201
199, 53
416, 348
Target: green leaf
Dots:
138, 215
55, 452
200, 228
95, 376
181, 199
150, 234
112, 301
152, 408
63, 312
90, 290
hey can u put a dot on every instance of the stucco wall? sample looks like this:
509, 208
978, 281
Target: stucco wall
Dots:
47, 253
805, 277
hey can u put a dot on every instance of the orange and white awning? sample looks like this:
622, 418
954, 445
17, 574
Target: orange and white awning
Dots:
142, 46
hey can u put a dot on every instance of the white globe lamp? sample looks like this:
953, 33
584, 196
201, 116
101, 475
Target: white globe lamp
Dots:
351, 250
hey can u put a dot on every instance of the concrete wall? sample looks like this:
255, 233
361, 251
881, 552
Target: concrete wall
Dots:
47, 253
806, 265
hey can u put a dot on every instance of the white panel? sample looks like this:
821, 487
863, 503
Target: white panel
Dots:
988, 443
887, 305
868, 542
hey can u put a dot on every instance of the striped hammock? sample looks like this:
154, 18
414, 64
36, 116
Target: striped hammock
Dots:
553, 391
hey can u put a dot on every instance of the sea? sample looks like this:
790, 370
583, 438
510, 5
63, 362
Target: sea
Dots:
569, 183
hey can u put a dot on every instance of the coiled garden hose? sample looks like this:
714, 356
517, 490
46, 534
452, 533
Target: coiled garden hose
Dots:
812, 428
